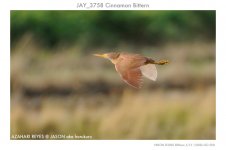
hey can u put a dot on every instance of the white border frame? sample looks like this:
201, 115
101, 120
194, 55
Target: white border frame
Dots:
6, 6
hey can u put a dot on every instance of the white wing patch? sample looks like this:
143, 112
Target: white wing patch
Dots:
149, 71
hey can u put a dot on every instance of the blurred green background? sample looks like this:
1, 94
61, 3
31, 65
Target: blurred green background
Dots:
111, 28
59, 88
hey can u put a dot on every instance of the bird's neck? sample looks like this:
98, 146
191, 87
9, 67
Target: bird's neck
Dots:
113, 61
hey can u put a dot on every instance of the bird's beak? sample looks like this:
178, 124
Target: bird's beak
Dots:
101, 55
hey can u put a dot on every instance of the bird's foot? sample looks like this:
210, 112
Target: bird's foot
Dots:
162, 62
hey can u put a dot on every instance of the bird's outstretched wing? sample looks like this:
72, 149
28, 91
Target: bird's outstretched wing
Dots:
132, 67
130, 73
149, 71
132, 77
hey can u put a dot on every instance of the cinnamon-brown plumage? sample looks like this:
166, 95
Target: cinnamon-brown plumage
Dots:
131, 67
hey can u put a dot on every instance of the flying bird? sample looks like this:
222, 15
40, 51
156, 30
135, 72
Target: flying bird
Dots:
131, 67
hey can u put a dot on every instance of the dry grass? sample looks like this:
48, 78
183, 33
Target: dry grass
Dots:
145, 115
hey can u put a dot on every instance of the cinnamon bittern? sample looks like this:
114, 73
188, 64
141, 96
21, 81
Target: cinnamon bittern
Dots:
131, 67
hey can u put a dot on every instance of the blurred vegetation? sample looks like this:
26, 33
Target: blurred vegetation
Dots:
62, 93
111, 28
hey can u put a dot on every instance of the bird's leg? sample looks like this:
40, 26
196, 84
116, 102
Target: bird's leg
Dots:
162, 62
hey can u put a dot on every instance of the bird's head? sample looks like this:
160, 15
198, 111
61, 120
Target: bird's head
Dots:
113, 56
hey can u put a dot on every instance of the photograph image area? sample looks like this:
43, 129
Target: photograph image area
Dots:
112, 75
